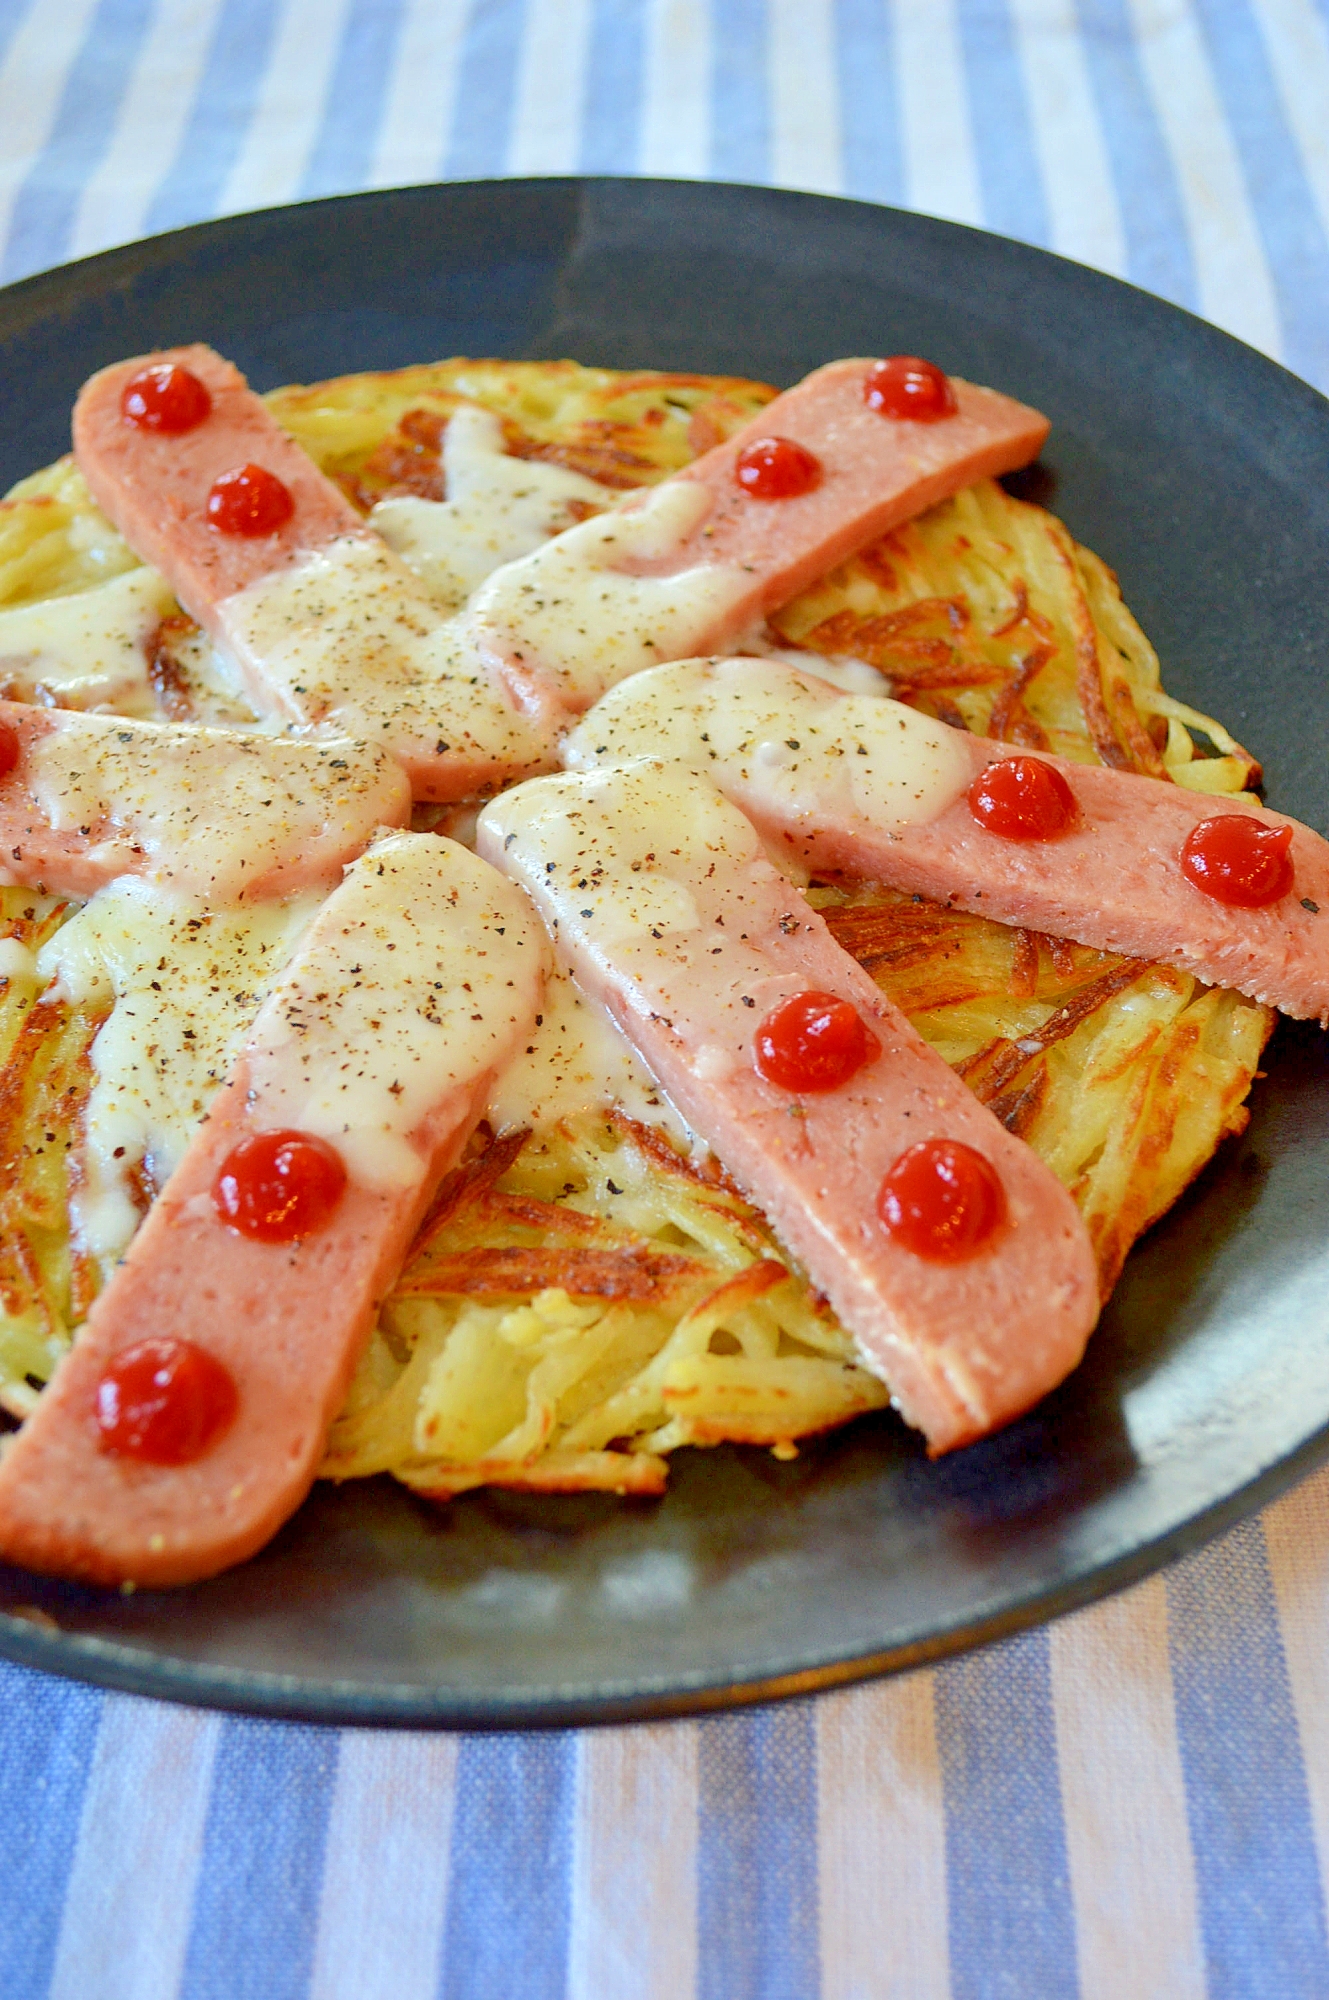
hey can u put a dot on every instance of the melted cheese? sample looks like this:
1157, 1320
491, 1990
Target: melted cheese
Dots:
88, 649
598, 853
580, 612
350, 638
210, 812
843, 670
498, 509
781, 743
211, 684
16, 960
184, 983
424, 969
577, 1062
637, 869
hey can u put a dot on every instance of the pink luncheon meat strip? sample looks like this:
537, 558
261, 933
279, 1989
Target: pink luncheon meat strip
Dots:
208, 812
661, 899
374, 1043
877, 471
691, 564
813, 768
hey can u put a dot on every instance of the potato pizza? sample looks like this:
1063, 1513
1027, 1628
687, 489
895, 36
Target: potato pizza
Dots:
590, 1289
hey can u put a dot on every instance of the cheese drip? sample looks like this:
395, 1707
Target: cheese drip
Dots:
350, 639
578, 1062
186, 982
427, 968
498, 509
636, 868
88, 649
582, 613
16, 960
783, 744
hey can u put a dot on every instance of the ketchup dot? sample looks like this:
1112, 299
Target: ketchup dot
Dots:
776, 468
904, 386
1235, 859
249, 501
278, 1186
165, 398
165, 1402
942, 1200
9, 749
813, 1041
1023, 798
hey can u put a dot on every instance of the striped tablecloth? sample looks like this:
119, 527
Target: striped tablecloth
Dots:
1132, 1802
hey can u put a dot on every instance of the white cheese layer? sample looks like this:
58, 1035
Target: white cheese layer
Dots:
351, 639
643, 873
498, 509
781, 743
583, 612
88, 649
186, 982
423, 972
651, 884
210, 812
578, 1062
16, 960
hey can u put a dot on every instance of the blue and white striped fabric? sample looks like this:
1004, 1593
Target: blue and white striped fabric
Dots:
1133, 1802
1183, 144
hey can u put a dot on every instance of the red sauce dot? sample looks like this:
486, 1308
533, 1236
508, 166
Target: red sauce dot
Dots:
278, 1186
1235, 859
904, 386
942, 1200
776, 468
249, 501
1023, 798
165, 1402
9, 749
165, 398
813, 1041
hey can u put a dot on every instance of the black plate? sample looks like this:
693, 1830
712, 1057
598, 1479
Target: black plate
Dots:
1199, 470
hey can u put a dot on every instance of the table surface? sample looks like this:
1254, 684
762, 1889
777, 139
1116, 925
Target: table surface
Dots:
1131, 1802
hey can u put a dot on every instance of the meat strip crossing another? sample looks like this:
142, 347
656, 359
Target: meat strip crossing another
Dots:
860, 785
375, 1052
660, 897
329, 626
696, 561
326, 624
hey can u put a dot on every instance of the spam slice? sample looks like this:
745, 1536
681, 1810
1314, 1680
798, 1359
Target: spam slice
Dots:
417, 980
209, 812
326, 624
685, 568
860, 785
659, 894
